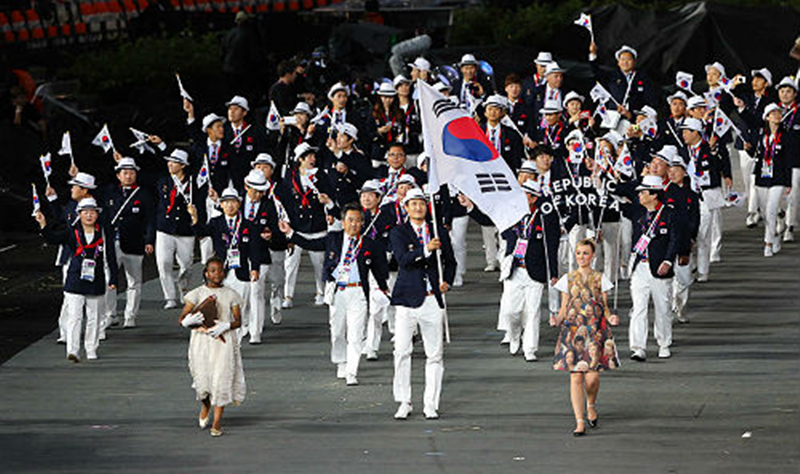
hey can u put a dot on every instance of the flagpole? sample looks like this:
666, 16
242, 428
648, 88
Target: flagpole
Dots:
439, 265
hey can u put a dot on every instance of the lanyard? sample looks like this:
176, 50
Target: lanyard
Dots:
233, 232
353, 250
178, 188
94, 245
122, 207
548, 135
525, 232
769, 147
628, 90
398, 212
652, 227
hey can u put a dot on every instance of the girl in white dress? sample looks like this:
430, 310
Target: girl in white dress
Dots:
215, 359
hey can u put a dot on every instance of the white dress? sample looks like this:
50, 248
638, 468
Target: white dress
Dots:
216, 366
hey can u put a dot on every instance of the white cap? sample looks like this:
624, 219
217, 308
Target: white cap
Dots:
406, 179
468, 60
763, 72
647, 111
528, 166
126, 163
626, 49
348, 129
178, 156
572, 95
677, 160
302, 108
386, 89
613, 137
678, 95
412, 194
256, 180
303, 149
692, 124
666, 154
716, 65
497, 100
263, 159
336, 88
532, 186
543, 58
371, 186
400, 79
238, 101
787, 82
229, 193
421, 63
209, 119
696, 101
550, 107
441, 87
87, 203
651, 183
769, 109
84, 180
553, 67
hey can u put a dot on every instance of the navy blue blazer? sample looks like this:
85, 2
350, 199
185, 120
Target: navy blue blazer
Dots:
371, 257
248, 243
98, 250
666, 238
136, 225
172, 216
414, 267
544, 230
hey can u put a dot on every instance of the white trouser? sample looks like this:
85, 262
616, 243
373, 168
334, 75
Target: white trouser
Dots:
747, 163
206, 249
258, 303
377, 315
429, 318
680, 287
708, 238
644, 286
292, 264
553, 295
169, 248
132, 264
490, 244
277, 278
458, 236
793, 200
521, 305
576, 234
62, 317
769, 202
610, 249
347, 317
244, 289
75, 305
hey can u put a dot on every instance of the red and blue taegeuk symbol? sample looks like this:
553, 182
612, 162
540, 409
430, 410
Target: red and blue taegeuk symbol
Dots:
463, 138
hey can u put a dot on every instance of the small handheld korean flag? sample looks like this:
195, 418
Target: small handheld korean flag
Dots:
273, 118
649, 127
66, 147
36, 206
684, 81
183, 92
202, 175
320, 116
585, 21
624, 164
722, 123
600, 94
103, 139
142, 142
44, 160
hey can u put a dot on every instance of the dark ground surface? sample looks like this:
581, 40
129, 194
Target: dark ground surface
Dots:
734, 371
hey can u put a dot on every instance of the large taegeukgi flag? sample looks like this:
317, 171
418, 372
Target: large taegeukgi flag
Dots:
461, 156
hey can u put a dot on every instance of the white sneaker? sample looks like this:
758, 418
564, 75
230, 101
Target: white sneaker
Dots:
403, 411
752, 220
458, 281
113, 320
319, 300
639, 355
129, 323
788, 236
351, 380
277, 317
768, 251
102, 335
776, 247
430, 414
664, 353
372, 355
170, 304
506, 339
702, 277
91, 355
513, 346
255, 340
287, 303
531, 357
341, 371
490, 268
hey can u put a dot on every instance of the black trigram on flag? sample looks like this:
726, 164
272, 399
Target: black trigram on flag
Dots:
492, 182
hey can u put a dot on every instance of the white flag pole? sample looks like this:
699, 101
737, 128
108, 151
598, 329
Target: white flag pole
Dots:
439, 266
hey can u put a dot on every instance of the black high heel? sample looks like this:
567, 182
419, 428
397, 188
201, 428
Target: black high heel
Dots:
592, 423
579, 433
